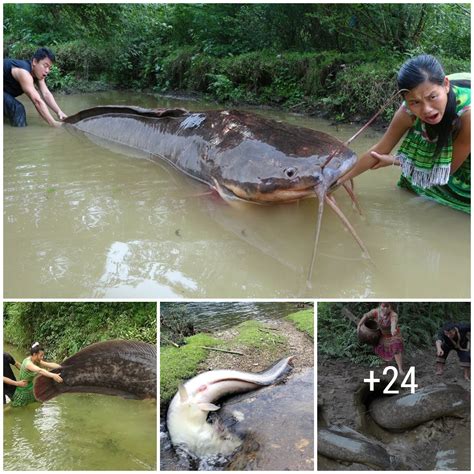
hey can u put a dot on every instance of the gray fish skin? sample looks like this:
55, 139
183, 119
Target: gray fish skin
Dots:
243, 156
189, 408
117, 367
405, 411
345, 444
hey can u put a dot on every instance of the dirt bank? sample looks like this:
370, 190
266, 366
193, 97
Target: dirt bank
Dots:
340, 382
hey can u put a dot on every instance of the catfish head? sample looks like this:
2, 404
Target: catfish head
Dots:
189, 429
266, 162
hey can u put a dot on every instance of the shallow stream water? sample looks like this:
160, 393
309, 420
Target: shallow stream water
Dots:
79, 432
84, 221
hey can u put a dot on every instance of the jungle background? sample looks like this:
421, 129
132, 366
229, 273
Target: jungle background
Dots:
419, 324
338, 60
65, 328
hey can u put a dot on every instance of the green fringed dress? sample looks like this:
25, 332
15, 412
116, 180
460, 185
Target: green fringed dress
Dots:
24, 395
431, 177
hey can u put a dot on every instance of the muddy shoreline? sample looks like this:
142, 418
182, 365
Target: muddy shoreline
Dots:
340, 383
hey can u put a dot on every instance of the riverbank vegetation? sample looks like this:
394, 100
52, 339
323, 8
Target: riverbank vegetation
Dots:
65, 328
181, 363
303, 321
419, 323
335, 58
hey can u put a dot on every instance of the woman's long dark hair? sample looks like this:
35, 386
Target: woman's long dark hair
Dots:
423, 68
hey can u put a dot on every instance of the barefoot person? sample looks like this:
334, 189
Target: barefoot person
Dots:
30, 368
20, 76
436, 118
454, 336
390, 345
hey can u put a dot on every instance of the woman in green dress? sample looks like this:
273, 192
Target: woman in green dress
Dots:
436, 117
30, 368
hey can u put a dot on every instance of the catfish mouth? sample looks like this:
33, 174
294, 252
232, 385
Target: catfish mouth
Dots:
273, 192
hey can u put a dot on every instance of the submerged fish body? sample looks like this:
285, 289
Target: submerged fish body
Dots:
241, 155
117, 367
188, 410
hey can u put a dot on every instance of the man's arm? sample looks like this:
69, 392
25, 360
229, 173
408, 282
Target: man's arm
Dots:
49, 99
27, 84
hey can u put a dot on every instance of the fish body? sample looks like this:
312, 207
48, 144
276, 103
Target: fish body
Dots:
244, 157
345, 444
117, 367
241, 155
405, 411
189, 408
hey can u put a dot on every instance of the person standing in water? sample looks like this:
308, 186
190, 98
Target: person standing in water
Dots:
390, 344
436, 117
29, 77
30, 368
10, 383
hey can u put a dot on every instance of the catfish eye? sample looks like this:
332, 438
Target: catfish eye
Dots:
290, 172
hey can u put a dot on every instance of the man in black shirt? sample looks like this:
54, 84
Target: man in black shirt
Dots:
454, 336
28, 77
9, 381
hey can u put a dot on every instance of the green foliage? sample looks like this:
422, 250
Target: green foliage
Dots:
342, 58
419, 324
64, 328
304, 321
180, 363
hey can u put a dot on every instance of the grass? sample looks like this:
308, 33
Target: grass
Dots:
303, 321
180, 363
253, 334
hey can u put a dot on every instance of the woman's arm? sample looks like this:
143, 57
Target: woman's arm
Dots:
400, 123
49, 365
462, 143
393, 323
369, 315
34, 368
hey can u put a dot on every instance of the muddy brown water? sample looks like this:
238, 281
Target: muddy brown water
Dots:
84, 221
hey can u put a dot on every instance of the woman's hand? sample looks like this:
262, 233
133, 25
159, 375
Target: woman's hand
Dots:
57, 378
384, 160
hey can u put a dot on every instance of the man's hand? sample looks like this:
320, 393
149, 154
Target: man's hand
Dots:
62, 115
22, 383
440, 352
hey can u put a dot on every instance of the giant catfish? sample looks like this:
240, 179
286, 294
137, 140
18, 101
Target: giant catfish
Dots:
243, 156
117, 367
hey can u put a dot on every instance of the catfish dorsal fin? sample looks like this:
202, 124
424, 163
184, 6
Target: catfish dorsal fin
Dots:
183, 394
